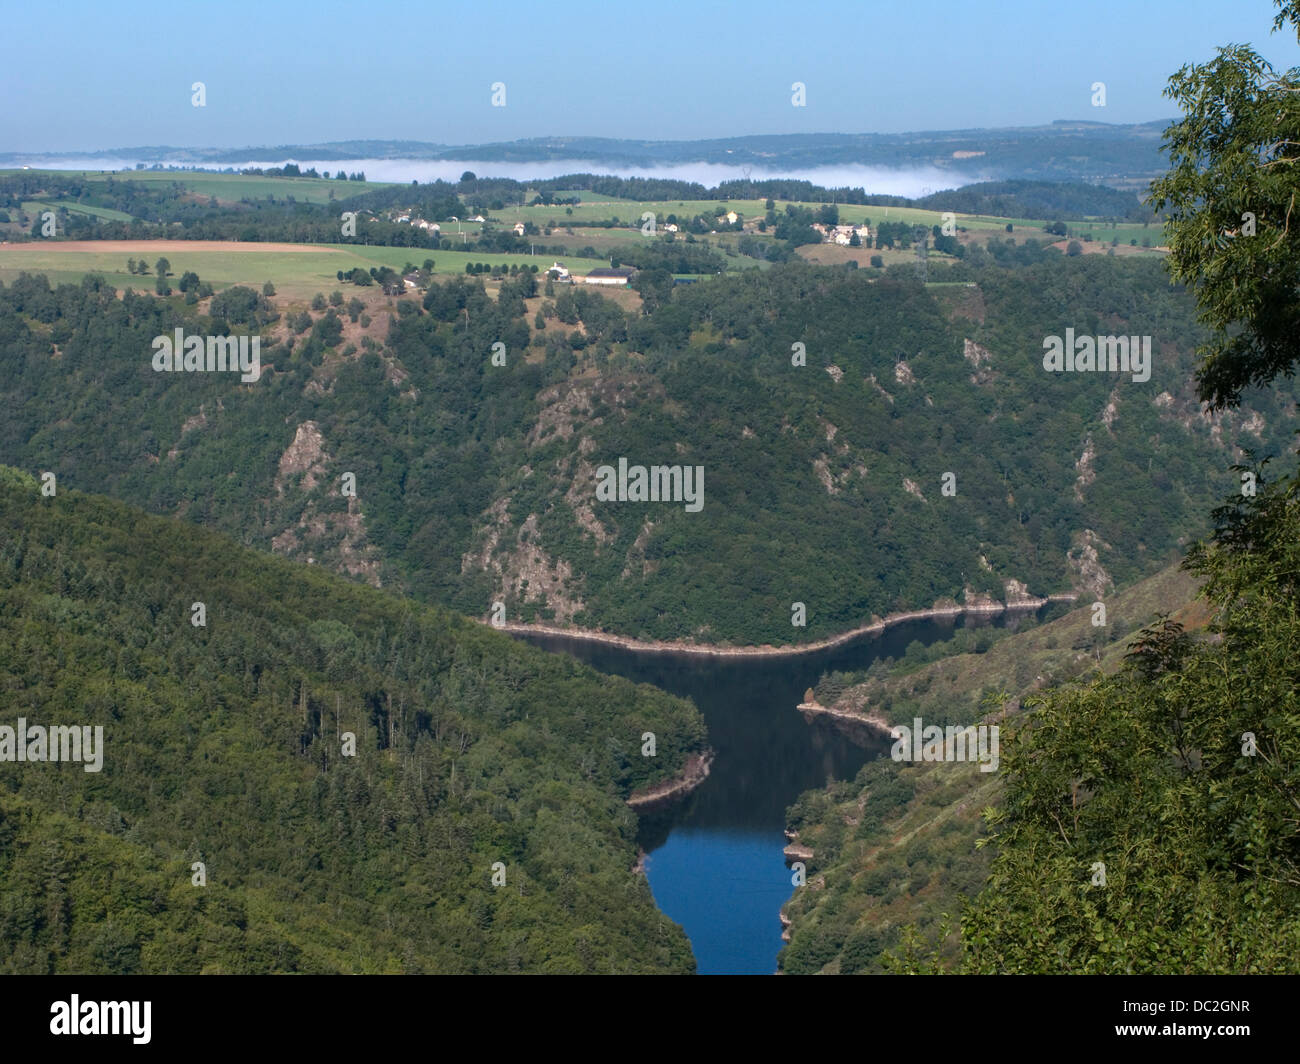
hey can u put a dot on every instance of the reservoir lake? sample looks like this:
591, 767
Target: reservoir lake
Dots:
715, 857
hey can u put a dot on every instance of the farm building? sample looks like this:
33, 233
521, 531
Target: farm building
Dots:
609, 275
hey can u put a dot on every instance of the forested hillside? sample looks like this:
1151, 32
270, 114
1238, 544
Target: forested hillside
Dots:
824, 483
225, 745
1150, 816
901, 846
1146, 819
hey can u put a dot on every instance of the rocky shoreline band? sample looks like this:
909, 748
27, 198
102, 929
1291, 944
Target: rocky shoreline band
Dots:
1024, 605
871, 721
692, 775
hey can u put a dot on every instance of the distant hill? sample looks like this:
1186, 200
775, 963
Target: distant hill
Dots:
1092, 152
1038, 199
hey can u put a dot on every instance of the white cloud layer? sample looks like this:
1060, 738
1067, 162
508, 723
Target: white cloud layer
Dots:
876, 180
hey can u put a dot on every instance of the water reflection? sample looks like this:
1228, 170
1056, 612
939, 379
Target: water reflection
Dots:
715, 859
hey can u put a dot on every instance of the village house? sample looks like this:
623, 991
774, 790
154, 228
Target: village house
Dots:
519, 228
558, 272
843, 234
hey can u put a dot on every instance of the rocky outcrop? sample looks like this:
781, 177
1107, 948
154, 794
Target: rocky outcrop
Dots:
337, 539
1084, 558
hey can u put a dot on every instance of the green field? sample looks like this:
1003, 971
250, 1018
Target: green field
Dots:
601, 208
604, 207
232, 188
35, 207
294, 273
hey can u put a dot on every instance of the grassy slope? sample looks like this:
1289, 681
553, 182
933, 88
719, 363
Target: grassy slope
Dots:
313, 269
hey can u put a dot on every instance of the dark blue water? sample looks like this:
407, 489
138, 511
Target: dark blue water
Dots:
715, 858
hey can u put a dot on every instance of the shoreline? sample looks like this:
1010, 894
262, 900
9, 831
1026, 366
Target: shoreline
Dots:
871, 721
695, 772
766, 650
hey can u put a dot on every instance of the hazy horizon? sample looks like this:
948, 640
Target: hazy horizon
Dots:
887, 181
296, 75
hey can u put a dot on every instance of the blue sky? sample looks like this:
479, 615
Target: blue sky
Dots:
119, 75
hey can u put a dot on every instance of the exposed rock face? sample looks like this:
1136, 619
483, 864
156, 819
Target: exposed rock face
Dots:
822, 468
977, 356
562, 407
974, 353
1111, 410
305, 455
1084, 468
1085, 560
326, 536
580, 495
1017, 594
524, 571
